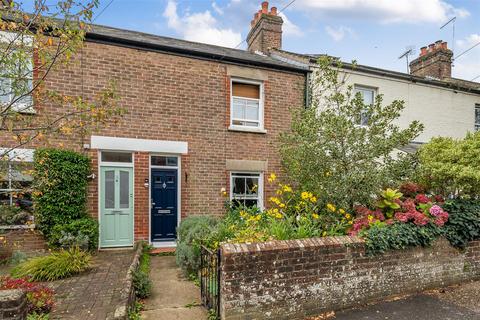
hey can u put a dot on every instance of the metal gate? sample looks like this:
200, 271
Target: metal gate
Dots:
210, 279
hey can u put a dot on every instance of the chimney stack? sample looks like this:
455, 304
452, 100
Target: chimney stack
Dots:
266, 30
435, 61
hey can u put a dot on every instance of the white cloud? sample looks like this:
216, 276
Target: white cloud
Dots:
289, 28
386, 11
338, 34
200, 27
217, 8
467, 66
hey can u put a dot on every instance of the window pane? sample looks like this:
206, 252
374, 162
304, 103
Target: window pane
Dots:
246, 90
251, 112
110, 189
238, 186
124, 157
164, 161
124, 189
477, 117
252, 185
5, 90
239, 108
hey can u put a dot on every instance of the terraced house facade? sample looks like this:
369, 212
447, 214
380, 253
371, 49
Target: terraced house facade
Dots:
199, 119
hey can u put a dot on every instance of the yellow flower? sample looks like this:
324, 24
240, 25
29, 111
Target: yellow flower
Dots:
331, 207
341, 211
327, 173
275, 200
275, 211
243, 214
313, 199
350, 222
315, 216
272, 177
305, 195
257, 217
281, 205
348, 216
279, 192
287, 188
278, 216
370, 218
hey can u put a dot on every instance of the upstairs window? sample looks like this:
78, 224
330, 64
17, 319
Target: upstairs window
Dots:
16, 73
477, 117
246, 105
368, 97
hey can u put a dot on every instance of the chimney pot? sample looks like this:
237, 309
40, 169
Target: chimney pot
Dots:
434, 61
273, 11
264, 7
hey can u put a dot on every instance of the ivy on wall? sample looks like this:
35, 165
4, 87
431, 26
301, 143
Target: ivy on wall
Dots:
60, 187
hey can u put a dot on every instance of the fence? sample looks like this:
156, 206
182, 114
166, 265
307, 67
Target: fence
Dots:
210, 279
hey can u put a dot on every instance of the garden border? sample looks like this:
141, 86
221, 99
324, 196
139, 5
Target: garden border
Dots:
128, 292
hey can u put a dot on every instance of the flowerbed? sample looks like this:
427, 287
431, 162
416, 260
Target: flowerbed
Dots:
39, 297
399, 219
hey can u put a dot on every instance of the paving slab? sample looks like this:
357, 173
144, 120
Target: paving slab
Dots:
96, 293
173, 296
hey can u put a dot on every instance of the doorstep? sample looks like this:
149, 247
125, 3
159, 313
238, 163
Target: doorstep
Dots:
164, 244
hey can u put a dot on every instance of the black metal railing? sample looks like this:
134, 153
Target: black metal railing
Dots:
210, 279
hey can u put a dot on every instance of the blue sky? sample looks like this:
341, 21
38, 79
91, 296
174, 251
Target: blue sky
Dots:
373, 32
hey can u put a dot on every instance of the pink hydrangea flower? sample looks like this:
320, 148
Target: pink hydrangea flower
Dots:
435, 210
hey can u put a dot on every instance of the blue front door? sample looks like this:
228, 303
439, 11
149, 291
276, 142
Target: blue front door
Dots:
164, 205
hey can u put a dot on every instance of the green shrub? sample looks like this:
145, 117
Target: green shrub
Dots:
141, 277
192, 233
57, 265
60, 187
463, 224
381, 237
70, 234
38, 316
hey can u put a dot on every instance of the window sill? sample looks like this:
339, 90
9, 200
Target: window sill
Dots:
246, 129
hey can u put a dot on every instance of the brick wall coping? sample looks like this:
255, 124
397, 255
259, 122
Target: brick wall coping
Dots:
274, 245
18, 227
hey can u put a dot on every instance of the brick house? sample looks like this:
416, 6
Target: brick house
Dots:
200, 118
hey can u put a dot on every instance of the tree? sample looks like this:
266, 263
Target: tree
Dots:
451, 167
328, 152
32, 46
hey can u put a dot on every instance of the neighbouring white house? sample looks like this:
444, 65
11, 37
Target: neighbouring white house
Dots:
446, 106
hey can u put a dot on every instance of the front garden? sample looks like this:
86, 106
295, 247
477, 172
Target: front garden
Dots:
341, 178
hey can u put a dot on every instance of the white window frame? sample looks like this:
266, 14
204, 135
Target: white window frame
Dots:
356, 89
260, 185
8, 37
476, 126
15, 155
261, 126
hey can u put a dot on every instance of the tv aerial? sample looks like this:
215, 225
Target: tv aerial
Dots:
452, 22
409, 51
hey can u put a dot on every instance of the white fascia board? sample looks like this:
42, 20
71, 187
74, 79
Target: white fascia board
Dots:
143, 145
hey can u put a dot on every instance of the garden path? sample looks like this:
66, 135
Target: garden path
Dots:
173, 296
96, 293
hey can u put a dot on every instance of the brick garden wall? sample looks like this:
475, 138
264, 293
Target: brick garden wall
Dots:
27, 240
297, 278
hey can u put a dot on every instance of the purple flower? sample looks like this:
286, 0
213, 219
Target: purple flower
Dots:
435, 210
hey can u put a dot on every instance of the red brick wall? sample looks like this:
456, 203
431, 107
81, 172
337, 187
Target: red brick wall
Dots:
170, 97
28, 241
298, 278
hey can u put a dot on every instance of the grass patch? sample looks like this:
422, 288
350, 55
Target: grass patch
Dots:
141, 277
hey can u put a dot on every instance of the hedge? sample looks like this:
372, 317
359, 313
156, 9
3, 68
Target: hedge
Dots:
60, 183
